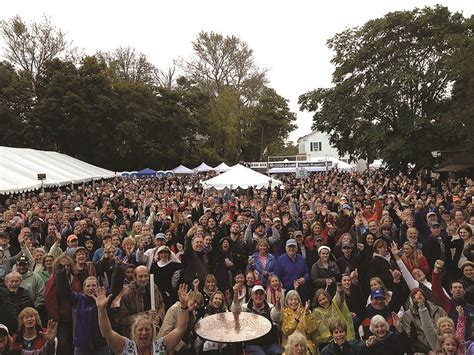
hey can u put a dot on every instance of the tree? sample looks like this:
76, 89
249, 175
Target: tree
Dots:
128, 64
225, 62
15, 104
29, 47
270, 123
392, 84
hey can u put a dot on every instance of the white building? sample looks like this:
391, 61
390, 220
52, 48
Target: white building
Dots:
316, 145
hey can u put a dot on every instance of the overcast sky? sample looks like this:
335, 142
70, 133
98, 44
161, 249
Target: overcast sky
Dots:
288, 37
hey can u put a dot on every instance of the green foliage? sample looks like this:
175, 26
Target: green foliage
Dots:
392, 87
118, 111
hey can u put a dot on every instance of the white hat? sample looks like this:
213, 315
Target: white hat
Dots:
77, 209
324, 247
257, 287
4, 327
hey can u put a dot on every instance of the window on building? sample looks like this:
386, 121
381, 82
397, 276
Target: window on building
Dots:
315, 146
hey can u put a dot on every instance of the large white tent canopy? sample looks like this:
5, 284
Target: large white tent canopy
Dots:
20, 168
239, 176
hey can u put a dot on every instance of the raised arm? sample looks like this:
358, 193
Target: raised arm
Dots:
174, 337
411, 282
115, 341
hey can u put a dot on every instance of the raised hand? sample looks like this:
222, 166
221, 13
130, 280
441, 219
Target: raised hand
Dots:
183, 295
307, 306
371, 341
394, 249
51, 331
101, 298
460, 310
438, 266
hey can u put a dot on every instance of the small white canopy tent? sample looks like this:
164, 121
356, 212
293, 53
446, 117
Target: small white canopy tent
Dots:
239, 176
336, 163
203, 168
222, 167
19, 169
182, 170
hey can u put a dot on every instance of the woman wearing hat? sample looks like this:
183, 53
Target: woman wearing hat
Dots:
167, 270
323, 272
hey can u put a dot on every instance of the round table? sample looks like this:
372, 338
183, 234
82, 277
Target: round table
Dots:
228, 327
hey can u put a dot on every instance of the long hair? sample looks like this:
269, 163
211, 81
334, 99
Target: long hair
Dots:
28, 311
69, 259
319, 293
414, 257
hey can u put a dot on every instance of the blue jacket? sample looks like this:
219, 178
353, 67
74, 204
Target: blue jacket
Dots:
289, 270
87, 335
269, 267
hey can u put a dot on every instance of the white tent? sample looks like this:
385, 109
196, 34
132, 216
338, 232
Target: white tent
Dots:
239, 176
336, 163
203, 168
222, 167
182, 170
19, 169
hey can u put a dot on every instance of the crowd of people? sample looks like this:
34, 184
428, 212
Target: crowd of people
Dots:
339, 263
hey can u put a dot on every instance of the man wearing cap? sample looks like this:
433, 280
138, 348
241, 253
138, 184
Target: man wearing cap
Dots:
31, 281
379, 306
267, 344
13, 299
292, 270
434, 247
147, 257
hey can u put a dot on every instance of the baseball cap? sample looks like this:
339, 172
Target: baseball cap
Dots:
71, 238
296, 233
347, 244
207, 209
77, 209
377, 293
429, 214
3, 329
346, 206
291, 242
257, 288
318, 237
434, 224
159, 236
23, 260
276, 219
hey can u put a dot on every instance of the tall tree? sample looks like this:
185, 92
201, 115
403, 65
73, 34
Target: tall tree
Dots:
30, 46
392, 82
270, 123
128, 64
225, 62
